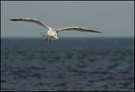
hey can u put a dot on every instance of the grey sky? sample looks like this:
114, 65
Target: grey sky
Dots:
112, 18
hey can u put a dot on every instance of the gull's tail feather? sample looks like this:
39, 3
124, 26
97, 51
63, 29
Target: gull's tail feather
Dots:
43, 34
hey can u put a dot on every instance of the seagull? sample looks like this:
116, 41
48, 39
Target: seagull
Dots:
52, 33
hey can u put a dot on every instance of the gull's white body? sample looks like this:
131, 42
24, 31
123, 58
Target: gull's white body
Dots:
52, 32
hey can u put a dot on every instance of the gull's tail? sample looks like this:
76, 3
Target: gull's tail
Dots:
43, 34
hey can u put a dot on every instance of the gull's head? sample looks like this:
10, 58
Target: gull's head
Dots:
53, 32
55, 35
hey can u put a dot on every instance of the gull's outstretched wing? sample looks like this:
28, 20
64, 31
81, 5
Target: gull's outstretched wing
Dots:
31, 20
78, 29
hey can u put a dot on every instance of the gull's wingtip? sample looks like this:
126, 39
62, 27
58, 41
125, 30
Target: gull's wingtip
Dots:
12, 19
15, 19
98, 32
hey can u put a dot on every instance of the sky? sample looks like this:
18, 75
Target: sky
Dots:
112, 18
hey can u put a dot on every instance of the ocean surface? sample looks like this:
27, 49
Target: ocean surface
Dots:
70, 64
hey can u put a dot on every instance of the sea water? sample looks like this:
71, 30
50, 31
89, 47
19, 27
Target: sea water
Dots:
69, 64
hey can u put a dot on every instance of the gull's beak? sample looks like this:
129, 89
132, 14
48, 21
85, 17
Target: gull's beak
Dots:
57, 37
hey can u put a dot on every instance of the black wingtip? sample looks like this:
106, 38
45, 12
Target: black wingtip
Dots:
98, 32
12, 19
15, 19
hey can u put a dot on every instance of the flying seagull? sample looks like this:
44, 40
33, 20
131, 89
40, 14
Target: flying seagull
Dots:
52, 32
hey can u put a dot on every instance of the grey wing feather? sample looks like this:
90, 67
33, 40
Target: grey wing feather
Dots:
78, 29
31, 20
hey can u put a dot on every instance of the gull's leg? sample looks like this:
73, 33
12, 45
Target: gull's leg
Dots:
46, 38
44, 35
